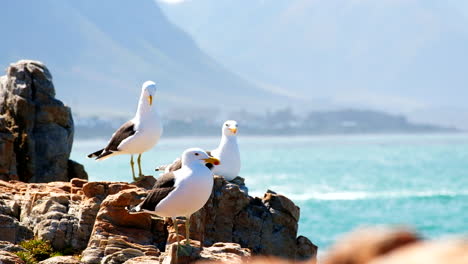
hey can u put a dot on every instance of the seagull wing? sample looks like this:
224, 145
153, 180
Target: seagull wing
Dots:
163, 186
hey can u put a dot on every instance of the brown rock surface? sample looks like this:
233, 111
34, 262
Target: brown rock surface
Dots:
62, 260
91, 216
267, 226
306, 250
9, 258
118, 236
10, 247
221, 252
36, 129
60, 212
144, 260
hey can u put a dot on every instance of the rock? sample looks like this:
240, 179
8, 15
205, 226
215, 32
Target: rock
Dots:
143, 260
59, 212
9, 258
91, 216
146, 182
7, 152
306, 250
267, 226
10, 247
121, 256
11, 230
222, 252
433, 252
118, 236
76, 170
363, 245
61, 260
225, 252
36, 132
260, 260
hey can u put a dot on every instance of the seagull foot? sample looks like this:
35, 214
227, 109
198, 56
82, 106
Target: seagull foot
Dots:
155, 217
139, 178
184, 250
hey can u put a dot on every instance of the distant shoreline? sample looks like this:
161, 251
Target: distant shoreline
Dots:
337, 135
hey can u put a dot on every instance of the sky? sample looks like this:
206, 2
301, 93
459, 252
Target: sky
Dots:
399, 56
402, 56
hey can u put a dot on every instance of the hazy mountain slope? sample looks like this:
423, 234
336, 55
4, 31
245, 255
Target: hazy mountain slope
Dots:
400, 56
101, 51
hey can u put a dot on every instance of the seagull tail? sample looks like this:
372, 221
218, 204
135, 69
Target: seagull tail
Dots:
161, 168
95, 154
132, 209
101, 154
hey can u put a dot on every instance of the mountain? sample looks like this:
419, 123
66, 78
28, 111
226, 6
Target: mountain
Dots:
405, 57
100, 52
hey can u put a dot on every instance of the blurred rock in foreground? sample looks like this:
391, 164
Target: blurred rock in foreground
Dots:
36, 129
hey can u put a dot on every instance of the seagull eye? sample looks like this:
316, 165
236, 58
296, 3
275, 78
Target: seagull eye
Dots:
227, 124
196, 154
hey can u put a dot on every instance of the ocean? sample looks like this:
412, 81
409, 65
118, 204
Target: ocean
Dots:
339, 182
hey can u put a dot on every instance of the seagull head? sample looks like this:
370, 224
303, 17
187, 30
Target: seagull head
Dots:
148, 91
197, 155
230, 128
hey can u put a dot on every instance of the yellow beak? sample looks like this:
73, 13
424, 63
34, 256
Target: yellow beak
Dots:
233, 130
150, 99
212, 160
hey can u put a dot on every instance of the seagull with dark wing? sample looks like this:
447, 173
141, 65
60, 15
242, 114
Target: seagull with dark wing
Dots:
137, 135
181, 192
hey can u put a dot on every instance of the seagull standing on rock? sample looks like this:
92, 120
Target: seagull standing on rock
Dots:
181, 192
137, 135
227, 152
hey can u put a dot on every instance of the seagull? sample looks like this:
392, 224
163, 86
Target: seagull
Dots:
181, 192
227, 152
137, 135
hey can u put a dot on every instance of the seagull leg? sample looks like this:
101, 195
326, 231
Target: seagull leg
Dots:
174, 221
133, 168
140, 174
187, 230
182, 248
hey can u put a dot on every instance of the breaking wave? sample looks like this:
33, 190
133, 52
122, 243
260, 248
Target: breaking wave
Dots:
345, 196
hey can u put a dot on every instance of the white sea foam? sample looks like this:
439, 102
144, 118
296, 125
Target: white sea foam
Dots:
331, 196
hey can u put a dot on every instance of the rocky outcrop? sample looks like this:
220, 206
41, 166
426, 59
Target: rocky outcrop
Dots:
36, 129
118, 236
63, 213
91, 217
268, 225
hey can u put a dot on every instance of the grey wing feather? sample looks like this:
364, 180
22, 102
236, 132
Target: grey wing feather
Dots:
125, 131
175, 165
163, 186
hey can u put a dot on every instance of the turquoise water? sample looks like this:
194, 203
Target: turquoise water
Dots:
339, 182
